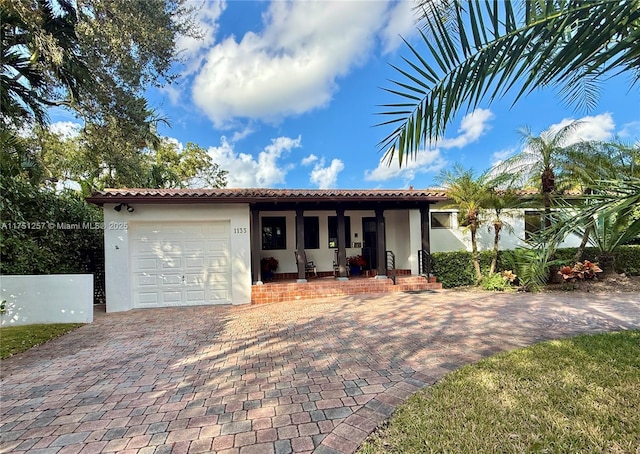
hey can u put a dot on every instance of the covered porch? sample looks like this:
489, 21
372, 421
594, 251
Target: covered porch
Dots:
316, 233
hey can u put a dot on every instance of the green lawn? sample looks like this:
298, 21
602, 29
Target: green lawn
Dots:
576, 395
16, 339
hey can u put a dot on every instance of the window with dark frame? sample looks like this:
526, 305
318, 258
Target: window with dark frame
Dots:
311, 232
333, 231
274, 232
441, 220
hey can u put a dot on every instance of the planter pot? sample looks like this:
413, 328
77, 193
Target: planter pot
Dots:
355, 270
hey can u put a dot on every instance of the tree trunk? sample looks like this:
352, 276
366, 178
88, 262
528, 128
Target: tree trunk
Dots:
548, 186
474, 253
497, 226
583, 243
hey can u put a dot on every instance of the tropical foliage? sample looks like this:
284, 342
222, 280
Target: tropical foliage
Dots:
93, 57
476, 51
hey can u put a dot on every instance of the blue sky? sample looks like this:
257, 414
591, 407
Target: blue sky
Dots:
285, 94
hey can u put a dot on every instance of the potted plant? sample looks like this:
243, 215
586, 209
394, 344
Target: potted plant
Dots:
356, 262
268, 266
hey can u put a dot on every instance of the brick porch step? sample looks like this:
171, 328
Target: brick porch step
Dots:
273, 292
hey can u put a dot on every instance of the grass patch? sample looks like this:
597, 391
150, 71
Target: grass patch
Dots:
16, 339
575, 395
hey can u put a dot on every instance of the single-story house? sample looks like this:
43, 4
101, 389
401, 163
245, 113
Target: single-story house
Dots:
176, 247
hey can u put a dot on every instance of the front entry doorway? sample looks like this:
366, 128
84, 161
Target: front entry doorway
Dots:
370, 238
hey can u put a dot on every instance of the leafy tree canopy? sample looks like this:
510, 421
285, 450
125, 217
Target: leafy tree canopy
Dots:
93, 56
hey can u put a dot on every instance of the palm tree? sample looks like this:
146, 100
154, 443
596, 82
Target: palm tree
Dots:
497, 202
470, 195
479, 50
538, 163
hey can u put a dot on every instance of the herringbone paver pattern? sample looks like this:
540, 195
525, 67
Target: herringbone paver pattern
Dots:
312, 376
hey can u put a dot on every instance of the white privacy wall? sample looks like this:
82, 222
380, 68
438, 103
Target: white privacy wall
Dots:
51, 298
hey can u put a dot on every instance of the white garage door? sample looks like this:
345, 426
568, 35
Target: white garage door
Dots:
180, 264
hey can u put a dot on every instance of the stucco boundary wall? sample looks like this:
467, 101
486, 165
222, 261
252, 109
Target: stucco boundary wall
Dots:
50, 298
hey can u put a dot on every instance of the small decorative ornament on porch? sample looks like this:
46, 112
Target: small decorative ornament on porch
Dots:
356, 262
268, 266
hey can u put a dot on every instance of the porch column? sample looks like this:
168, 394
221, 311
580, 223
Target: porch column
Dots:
300, 246
256, 246
342, 252
381, 246
425, 224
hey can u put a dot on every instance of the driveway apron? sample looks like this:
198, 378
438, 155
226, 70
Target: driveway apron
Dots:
300, 376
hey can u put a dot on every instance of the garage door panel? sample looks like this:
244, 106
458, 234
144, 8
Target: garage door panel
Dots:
196, 296
218, 263
193, 278
194, 247
172, 263
148, 299
147, 280
172, 296
171, 279
195, 262
177, 264
150, 264
219, 294
218, 246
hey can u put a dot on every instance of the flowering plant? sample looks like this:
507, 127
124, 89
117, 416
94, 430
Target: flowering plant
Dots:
580, 271
356, 260
269, 263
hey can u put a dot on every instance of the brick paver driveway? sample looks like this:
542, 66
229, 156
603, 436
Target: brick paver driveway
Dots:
286, 377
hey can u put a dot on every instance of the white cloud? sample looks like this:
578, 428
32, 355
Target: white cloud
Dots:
192, 49
65, 129
309, 160
326, 177
402, 23
599, 127
246, 171
630, 131
292, 65
246, 131
498, 156
472, 127
426, 161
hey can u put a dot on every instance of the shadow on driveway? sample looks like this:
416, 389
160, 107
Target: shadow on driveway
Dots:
312, 376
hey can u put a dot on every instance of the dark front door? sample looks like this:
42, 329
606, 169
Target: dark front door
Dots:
370, 238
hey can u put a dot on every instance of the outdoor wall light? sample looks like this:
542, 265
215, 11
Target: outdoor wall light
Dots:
118, 207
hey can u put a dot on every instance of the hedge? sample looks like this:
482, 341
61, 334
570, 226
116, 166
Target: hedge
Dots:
455, 269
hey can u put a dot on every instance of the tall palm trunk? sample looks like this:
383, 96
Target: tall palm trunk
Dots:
497, 226
548, 186
474, 252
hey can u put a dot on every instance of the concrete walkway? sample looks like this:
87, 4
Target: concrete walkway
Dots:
313, 376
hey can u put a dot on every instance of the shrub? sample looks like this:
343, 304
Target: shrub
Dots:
455, 269
495, 282
43, 232
628, 260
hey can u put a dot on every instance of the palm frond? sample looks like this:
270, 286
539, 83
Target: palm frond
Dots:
478, 51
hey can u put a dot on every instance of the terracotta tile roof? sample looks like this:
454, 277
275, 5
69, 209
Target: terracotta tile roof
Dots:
248, 195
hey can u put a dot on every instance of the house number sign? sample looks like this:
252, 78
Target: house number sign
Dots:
240, 230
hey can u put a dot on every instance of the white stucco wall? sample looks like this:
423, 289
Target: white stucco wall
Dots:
50, 298
398, 236
511, 236
117, 248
